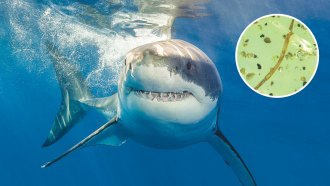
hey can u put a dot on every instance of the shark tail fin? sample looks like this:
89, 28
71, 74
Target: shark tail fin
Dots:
73, 89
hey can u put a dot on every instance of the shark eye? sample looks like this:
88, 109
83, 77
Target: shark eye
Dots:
189, 65
125, 62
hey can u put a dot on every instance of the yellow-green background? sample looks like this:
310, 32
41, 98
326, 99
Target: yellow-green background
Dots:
298, 65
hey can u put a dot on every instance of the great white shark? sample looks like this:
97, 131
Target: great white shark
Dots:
168, 96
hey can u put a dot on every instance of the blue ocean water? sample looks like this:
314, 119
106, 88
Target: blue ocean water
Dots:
283, 141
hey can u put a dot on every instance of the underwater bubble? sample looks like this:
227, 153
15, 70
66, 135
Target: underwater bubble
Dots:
283, 52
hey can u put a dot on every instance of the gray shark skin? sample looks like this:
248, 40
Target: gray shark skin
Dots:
168, 96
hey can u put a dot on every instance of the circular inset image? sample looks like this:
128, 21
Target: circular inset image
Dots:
277, 55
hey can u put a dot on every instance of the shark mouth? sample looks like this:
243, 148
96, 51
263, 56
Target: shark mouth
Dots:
162, 96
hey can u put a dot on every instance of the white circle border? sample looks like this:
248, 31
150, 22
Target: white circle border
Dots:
317, 61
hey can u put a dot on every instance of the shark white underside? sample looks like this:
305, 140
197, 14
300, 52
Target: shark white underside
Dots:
168, 97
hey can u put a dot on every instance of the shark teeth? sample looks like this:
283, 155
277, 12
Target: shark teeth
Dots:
162, 96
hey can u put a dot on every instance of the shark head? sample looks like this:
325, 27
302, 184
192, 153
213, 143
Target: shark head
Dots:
169, 81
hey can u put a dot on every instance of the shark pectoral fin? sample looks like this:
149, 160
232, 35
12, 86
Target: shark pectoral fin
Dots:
73, 89
232, 158
97, 137
115, 135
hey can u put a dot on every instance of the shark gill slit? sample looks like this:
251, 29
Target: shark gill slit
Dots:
277, 65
